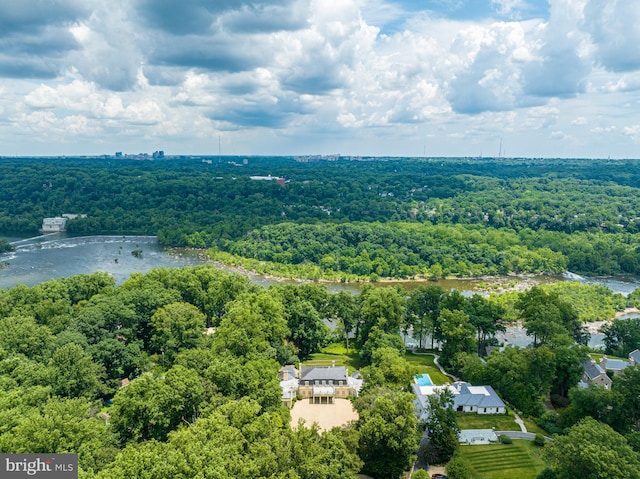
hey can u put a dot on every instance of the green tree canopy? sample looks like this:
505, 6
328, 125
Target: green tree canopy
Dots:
388, 432
176, 327
592, 450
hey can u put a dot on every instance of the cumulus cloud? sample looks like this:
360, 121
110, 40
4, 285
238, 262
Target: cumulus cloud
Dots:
560, 68
34, 36
613, 29
111, 49
266, 18
189, 17
304, 68
30, 16
490, 62
80, 97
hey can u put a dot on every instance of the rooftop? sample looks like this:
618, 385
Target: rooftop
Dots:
464, 394
616, 364
320, 373
592, 369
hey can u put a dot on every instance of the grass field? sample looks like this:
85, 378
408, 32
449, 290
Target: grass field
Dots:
534, 428
598, 356
338, 353
502, 422
504, 461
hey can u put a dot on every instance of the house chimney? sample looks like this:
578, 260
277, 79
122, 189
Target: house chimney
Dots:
603, 362
299, 370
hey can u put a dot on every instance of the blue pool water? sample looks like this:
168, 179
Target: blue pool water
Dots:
423, 380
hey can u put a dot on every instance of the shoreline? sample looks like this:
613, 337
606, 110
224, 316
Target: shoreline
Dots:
595, 326
497, 284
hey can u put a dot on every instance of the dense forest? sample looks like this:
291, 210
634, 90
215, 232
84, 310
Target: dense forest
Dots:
201, 349
398, 217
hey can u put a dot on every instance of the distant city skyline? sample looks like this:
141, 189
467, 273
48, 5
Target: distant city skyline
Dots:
512, 78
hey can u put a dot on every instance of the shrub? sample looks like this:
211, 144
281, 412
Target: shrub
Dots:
559, 401
458, 468
420, 474
505, 439
547, 474
539, 440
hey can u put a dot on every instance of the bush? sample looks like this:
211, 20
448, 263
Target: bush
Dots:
559, 401
458, 468
505, 439
539, 440
550, 422
420, 474
547, 474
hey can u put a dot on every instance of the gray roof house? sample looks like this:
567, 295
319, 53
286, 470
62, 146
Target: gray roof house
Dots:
594, 374
613, 365
634, 357
466, 398
312, 376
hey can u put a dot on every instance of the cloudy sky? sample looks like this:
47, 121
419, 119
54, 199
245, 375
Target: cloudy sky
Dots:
558, 78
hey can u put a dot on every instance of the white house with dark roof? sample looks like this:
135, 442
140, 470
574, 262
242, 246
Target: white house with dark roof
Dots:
321, 384
466, 398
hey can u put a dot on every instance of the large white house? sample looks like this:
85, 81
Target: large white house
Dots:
320, 384
466, 398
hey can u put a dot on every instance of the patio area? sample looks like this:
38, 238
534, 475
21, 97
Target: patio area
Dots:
327, 416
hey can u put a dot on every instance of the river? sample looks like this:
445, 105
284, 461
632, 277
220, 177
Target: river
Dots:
57, 255
46, 257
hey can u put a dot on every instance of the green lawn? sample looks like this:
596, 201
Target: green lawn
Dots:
534, 428
502, 422
598, 356
338, 353
504, 461
426, 365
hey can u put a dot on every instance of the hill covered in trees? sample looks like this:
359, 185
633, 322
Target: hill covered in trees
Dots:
388, 217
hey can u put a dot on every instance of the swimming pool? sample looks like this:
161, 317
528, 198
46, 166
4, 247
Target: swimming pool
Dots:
423, 380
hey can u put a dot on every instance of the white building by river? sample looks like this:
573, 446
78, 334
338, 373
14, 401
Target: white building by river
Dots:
54, 225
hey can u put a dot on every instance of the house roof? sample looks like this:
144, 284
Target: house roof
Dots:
635, 355
616, 364
289, 368
592, 369
464, 394
319, 373
355, 384
479, 396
